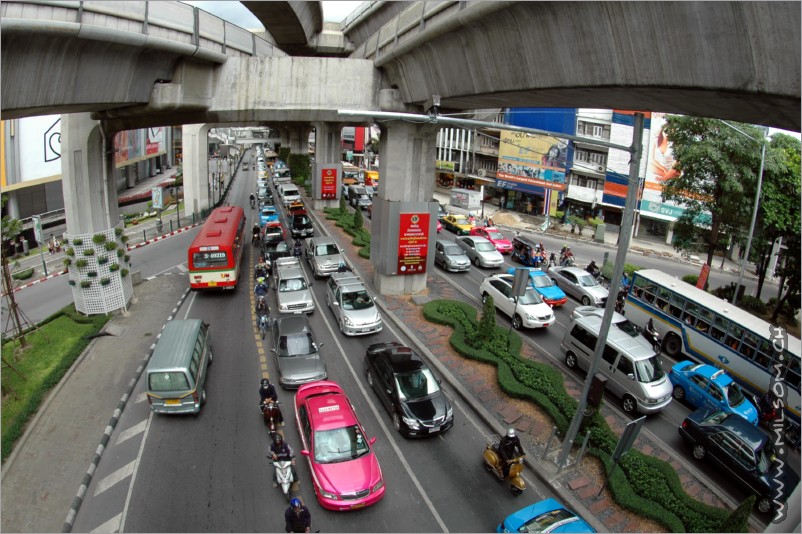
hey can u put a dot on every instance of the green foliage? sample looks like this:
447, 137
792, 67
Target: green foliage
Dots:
124, 238
86, 283
67, 262
690, 279
92, 274
54, 346
345, 220
77, 241
738, 519
81, 263
69, 251
343, 205
110, 245
577, 223
118, 232
299, 163
594, 223
647, 486
752, 304
120, 253
105, 281
284, 154
89, 252
23, 275
98, 239
124, 273
629, 268
358, 221
102, 260
114, 267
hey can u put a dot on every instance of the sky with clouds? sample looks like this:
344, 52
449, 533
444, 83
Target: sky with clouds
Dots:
235, 12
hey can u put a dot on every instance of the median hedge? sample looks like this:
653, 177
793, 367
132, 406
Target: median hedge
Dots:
647, 486
352, 223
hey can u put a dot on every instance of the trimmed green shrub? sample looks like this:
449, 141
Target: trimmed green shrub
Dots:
105, 281
77, 241
98, 239
81, 263
102, 260
89, 252
752, 304
114, 267
110, 245
644, 485
23, 275
85, 284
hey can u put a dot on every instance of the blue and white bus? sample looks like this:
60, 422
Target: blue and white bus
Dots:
707, 329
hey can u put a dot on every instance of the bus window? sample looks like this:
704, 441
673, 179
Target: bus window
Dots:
689, 316
792, 371
720, 325
734, 337
663, 296
705, 319
763, 357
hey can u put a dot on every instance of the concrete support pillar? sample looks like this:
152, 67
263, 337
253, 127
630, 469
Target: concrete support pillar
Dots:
195, 146
299, 138
406, 185
327, 160
90, 194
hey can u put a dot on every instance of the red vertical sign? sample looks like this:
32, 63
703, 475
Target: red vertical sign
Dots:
413, 243
328, 182
703, 274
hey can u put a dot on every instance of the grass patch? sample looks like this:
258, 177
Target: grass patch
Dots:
51, 350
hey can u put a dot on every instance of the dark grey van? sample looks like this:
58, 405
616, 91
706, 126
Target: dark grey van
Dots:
176, 374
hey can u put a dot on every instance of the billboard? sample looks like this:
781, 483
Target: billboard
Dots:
532, 160
39, 147
413, 243
328, 182
660, 168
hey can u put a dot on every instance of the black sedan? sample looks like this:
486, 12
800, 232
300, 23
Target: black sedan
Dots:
408, 389
743, 452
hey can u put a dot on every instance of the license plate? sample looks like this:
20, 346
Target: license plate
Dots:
212, 284
360, 505
172, 402
434, 429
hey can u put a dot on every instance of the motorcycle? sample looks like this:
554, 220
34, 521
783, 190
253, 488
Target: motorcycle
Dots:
494, 464
284, 477
567, 261
620, 299
296, 249
653, 336
263, 325
271, 415
261, 305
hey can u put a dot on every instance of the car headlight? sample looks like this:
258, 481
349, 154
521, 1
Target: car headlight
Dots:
347, 320
283, 306
328, 495
410, 422
530, 316
377, 486
449, 413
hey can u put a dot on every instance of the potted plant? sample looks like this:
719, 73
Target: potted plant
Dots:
91, 274
105, 281
124, 273
114, 267
110, 245
118, 232
77, 241
67, 262
81, 263
71, 282
89, 252
85, 284
69, 251
102, 260
120, 253
98, 239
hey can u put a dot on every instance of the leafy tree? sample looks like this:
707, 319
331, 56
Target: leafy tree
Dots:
737, 521
487, 324
779, 208
717, 167
10, 229
358, 222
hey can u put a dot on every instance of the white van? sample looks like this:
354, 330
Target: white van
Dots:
633, 370
289, 193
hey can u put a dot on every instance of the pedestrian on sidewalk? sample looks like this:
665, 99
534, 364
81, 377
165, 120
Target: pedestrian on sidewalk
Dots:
51, 245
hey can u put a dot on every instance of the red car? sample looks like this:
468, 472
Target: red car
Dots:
439, 226
345, 472
494, 235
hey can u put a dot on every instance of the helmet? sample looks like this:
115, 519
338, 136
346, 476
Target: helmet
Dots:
510, 432
261, 279
295, 503
277, 439
265, 382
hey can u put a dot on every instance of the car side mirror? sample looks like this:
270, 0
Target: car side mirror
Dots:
631, 376
336, 303
372, 440
273, 351
304, 452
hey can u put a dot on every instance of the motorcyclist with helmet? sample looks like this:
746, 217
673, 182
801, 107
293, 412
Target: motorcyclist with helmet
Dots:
297, 246
267, 391
297, 517
280, 451
566, 257
256, 231
593, 269
507, 447
253, 200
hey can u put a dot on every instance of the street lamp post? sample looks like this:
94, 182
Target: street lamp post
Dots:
754, 209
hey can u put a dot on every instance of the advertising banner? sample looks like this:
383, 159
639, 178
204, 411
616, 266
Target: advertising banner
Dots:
328, 182
413, 243
40, 147
533, 160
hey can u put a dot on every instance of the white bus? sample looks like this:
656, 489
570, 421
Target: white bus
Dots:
709, 330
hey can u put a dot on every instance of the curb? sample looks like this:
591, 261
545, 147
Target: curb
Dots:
79, 497
43, 279
163, 236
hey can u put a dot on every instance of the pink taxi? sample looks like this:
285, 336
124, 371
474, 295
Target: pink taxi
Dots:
345, 472
494, 235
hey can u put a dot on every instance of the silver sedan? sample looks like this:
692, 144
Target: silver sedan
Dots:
481, 251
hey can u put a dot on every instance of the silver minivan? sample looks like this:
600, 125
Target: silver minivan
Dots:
633, 371
176, 373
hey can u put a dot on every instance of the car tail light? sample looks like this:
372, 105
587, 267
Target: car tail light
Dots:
685, 424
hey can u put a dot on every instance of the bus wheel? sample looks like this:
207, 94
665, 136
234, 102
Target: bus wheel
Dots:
672, 345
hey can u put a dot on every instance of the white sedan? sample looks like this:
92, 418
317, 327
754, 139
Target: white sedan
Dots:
530, 312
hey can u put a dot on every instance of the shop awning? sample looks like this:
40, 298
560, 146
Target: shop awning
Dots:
657, 216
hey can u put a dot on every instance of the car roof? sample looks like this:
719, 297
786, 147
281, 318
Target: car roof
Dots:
742, 428
329, 408
476, 238
576, 270
623, 341
290, 272
322, 240
292, 324
403, 359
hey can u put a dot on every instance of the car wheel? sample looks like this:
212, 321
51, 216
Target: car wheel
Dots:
476, 261
679, 393
517, 322
570, 360
764, 505
370, 379
629, 404
484, 297
203, 396
342, 326
672, 345
585, 300
210, 357
699, 451
396, 422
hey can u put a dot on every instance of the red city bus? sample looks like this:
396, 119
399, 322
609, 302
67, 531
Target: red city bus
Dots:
216, 253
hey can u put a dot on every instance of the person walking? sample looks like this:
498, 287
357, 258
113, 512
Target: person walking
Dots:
297, 517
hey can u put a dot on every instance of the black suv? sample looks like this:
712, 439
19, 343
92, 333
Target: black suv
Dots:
301, 226
408, 389
743, 452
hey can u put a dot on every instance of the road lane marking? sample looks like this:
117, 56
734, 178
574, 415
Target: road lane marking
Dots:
112, 525
131, 432
112, 479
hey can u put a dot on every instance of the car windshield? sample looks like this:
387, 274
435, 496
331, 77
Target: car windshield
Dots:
452, 250
340, 445
628, 328
292, 284
328, 249
461, 220
649, 370
484, 246
357, 300
530, 296
541, 281
547, 521
735, 396
296, 345
494, 234
416, 384
301, 220
586, 280
268, 212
